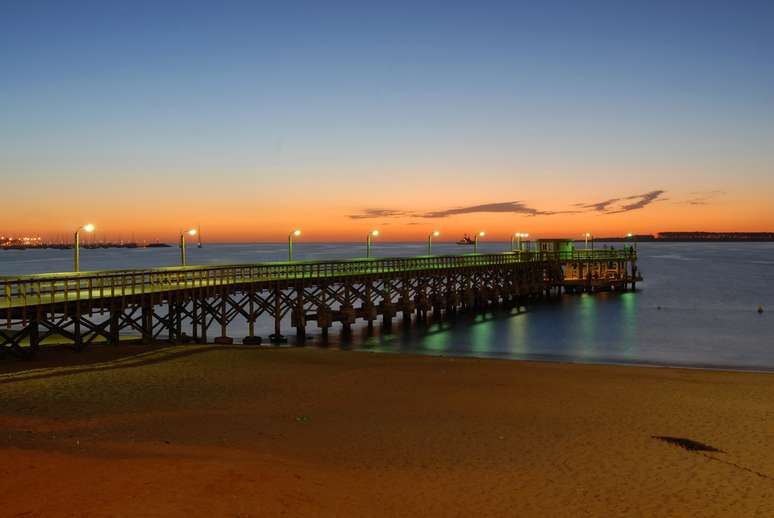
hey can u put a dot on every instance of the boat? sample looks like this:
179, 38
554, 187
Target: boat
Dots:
465, 240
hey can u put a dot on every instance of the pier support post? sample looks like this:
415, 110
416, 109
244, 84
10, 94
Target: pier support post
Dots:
146, 320
251, 339
172, 317
34, 333
276, 337
203, 322
195, 319
114, 323
634, 275
369, 306
223, 339
386, 306
347, 314
300, 316
77, 336
180, 337
324, 313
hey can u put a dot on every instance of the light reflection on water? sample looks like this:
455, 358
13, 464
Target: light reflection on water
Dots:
697, 306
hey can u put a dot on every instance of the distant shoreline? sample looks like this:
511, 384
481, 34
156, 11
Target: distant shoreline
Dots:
681, 240
662, 237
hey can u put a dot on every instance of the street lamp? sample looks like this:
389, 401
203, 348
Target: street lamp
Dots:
370, 235
475, 241
430, 241
587, 235
517, 237
525, 236
295, 233
191, 232
77, 245
629, 237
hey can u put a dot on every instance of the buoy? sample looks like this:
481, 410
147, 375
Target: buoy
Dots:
760, 309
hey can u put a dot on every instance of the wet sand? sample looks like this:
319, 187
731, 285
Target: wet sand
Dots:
213, 431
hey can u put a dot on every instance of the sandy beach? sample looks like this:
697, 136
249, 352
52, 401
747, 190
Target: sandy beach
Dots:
237, 431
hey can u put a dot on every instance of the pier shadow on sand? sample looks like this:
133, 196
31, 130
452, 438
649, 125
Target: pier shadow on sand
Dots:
61, 362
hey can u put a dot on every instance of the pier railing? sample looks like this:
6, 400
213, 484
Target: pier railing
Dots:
52, 288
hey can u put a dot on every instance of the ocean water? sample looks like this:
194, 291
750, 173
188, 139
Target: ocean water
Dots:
696, 307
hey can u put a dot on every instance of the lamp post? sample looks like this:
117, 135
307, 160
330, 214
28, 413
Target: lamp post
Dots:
629, 236
521, 244
430, 241
295, 233
370, 235
587, 235
475, 241
191, 232
517, 237
77, 244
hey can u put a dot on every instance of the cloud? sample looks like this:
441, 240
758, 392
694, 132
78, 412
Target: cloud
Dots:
378, 213
702, 197
509, 207
619, 205
642, 201
609, 206
600, 206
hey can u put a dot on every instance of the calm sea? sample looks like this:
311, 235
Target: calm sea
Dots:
696, 307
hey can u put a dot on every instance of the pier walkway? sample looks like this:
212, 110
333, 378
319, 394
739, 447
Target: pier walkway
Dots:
101, 305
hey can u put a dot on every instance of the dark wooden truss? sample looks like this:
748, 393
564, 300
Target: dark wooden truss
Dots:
204, 312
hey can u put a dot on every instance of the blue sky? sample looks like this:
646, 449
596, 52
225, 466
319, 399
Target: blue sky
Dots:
494, 96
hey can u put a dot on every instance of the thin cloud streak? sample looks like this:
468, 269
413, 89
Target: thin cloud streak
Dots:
643, 200
703, 197
616, 205
378, 213
509, 207
609, 206
600, 206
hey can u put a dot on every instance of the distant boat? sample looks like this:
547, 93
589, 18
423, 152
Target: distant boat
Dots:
157, 245
465, 240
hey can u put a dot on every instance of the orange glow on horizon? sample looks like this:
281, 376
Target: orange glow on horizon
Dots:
326, 224
324, 213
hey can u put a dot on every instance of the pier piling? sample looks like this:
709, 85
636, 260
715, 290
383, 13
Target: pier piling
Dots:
158, 304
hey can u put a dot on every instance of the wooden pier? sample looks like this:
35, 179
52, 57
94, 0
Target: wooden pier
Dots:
198, 304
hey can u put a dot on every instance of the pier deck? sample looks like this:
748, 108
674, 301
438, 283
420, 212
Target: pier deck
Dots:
106, 303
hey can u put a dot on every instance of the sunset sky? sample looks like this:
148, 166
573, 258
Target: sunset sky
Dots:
251, 119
